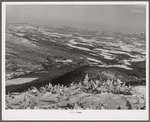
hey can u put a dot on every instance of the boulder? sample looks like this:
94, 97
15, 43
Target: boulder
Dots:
135, 101
83, 94
115, 102
76, 106
63, 104
16, 99
103, 107
64, 98
48, 97
87, 100
51, 106
74, 100
142, 103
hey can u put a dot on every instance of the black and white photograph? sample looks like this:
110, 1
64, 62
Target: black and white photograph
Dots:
75, 57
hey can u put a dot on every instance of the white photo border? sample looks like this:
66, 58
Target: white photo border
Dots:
65, 114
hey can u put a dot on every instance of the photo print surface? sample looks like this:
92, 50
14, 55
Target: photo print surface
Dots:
75, 57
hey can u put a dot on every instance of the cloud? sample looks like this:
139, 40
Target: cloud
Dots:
138, 9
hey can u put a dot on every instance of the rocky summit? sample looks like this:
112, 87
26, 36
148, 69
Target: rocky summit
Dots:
85, 95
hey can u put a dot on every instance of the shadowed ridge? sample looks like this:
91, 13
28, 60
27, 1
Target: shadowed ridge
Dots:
95, 73
75, 76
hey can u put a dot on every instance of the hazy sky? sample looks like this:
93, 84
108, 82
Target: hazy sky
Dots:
99, 17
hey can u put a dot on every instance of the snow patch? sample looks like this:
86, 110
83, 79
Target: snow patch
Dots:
20, 34
87, 40
120, 66
64, 61
19, 81
72, 41
107, 37
81, 48
91, 59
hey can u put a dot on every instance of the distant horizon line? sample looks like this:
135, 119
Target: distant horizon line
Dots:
130, 31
